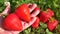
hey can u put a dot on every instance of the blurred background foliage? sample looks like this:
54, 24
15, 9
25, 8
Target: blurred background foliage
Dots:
44, 5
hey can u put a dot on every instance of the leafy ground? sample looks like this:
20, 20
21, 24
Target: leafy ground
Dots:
43, 4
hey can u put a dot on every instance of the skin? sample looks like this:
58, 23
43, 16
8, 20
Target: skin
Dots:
25, 25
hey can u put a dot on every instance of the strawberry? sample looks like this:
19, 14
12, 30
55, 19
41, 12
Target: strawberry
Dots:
50, 12
52, 24
12, 22
36, 23
45, 15
23, 12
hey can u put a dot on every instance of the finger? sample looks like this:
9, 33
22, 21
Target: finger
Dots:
1, 20
26, 25
32, 7
36, 12
29, 4
2, 31
6, 11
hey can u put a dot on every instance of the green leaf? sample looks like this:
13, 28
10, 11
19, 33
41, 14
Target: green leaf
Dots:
43, 25
32, 33
2, 1
58, 27
27, 31
48, 32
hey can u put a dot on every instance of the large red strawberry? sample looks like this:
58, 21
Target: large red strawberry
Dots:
45, 15
52, 24
12, 22
36, 23
23, 12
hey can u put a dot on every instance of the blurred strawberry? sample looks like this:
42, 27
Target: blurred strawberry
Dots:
45, 15
36, 23
52, 23
50, 12
23, 12
12, 22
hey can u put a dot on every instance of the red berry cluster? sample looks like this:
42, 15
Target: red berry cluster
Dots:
46, 17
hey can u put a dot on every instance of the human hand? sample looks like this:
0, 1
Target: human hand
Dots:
25, 25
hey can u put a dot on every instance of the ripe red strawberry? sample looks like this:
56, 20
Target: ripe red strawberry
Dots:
45, 15
23, 12
12, 22
36, 23
52, 24
50, 12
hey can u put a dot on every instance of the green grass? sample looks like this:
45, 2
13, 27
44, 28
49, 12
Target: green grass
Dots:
43, 4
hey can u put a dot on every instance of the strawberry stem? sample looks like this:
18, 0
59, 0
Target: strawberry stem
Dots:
51, 19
